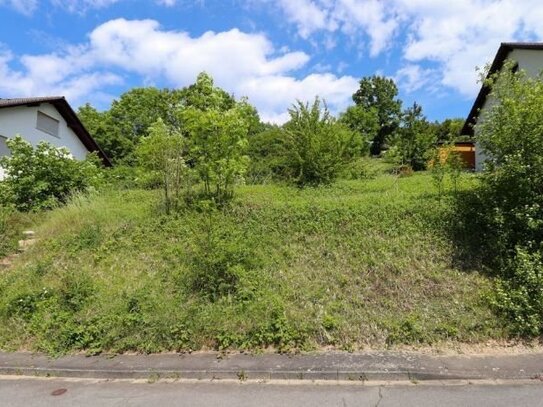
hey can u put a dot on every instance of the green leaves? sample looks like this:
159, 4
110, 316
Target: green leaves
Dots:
413, 139
380, 93
41, 177
162, 152
510, 134
316, 145
218, 142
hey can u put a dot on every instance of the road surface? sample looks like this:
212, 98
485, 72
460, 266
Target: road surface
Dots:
21, 391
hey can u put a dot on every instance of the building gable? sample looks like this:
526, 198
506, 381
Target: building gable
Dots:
528, 55
50, 119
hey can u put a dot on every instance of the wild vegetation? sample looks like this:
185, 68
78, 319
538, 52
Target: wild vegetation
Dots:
356, 264
507, 207
214, 230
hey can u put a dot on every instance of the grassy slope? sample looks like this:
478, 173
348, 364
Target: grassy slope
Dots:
360, 263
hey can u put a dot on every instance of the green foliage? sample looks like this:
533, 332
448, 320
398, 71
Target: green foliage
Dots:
350, 265
218, 142
519, 294
203, 95
363, 121
506, 210
136, 110
162, 152
42, 177
317, 146
448, 130
267, 155
108, 136
380, 94
445, 162
221, 260
413, 140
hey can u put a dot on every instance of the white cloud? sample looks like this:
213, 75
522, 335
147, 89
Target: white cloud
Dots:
274, 94
50, 75
413, 77
244, 64
457, 35
462, 34
356, 18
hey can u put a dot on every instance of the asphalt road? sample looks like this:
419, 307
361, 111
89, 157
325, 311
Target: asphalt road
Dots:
18, 391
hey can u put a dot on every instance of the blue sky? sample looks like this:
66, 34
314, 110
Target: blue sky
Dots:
272, 51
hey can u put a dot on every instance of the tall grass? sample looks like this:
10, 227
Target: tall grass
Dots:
359, 263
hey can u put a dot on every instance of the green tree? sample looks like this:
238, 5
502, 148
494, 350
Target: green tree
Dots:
41, 177
448, 130
162, 152
413, 139
204, 95
364, 122
218, 140
318, 146
381, 94
108, 136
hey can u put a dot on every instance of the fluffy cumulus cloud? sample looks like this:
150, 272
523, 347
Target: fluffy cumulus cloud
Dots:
245, 64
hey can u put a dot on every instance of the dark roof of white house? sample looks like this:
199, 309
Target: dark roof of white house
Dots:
500, 58
68, 114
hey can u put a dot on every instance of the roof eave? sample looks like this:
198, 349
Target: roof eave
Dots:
497, 64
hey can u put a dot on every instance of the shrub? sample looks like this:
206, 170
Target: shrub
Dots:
317, 146
41, 177
220, 260
519, 293
509, 202
267, 153
162, 153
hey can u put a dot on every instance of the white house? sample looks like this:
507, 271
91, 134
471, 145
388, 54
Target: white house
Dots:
528, 56
48, 119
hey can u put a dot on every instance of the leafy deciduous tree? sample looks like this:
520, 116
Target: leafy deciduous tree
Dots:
380, 93
218, 141
162, 151
364, 122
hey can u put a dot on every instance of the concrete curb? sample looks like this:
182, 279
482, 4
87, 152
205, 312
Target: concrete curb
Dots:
374, 366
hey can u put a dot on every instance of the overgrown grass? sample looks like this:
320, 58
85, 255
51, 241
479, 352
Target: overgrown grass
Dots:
12, 224
359, 263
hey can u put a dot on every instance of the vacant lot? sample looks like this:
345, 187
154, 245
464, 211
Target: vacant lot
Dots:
360, 263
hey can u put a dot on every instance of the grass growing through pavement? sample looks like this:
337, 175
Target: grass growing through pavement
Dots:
360, 263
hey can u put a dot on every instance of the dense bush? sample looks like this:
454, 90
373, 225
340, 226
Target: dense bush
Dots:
41, 177
317, 146
267, 156
507, 209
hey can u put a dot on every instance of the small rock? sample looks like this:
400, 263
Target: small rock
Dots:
25, 244
28, 234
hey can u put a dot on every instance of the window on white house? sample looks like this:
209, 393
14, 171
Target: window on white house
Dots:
4, 150
47, 124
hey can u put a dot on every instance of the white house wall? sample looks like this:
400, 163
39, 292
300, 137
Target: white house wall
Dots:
22, 120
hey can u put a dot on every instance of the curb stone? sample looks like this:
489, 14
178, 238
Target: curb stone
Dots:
333, 366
